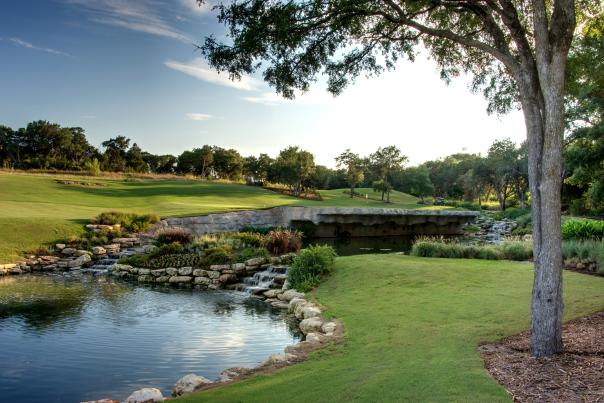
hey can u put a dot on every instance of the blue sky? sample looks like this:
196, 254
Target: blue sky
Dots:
129, 67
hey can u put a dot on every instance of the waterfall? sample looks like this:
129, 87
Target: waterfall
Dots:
272, 277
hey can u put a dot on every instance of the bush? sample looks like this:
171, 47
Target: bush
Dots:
129, 221
180, 260
582, 229
250, 239
135, 260
511, 213
169, 249
172, 235
310, 266
517, 250
257, 230
217, 256
252, 252
464, 205
93, 167
510, 250
585, 250
282, 241
578, 207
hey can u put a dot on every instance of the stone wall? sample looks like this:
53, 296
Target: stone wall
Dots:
331, 221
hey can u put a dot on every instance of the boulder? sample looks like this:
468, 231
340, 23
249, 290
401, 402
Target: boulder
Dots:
315, 338
257, 261
185, 271
227, 278
311, 325
271, 293
14, 270
280, 304
158, 272
68, 251
229, 374
238, 267
180, 279
149, 248
214, 274
99, 250
188, 384
145, 395
60, 246
273, 359
202, 281
200, 273
146, 278
293, 304
290, 294
305, 311
171, 271
329, 328
79, 261
162, 279
102, 401
220, 267
122, 267
81, 252
144, 272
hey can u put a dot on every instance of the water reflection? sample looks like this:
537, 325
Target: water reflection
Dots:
364, 245
90, 338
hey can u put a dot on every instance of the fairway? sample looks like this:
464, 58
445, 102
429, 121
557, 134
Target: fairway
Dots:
412, 328
35, 209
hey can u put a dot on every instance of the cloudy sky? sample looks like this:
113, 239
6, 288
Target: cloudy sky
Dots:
129, 67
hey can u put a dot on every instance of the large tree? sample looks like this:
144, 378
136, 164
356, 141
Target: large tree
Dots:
353, 166
516, 49
385, 162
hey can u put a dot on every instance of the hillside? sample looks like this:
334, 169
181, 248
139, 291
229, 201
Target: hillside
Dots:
37, 209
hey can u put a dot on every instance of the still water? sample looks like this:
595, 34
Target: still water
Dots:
68, 340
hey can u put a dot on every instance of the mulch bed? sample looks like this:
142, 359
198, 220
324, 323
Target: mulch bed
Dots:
576, 375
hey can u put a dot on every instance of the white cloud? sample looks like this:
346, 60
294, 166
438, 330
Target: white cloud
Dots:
313, 97
134, 15
193, 5
199, 69
29, 45
198, 116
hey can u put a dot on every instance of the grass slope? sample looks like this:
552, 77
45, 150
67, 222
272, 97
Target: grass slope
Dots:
412, 330
35, 209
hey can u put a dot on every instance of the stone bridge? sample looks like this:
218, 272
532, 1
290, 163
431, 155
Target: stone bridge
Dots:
327, 222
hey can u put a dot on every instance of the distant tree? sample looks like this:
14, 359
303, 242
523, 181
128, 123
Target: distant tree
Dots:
80, 150
206, 159
415, 181
294, 166
228, 164
352, 165
161, 164
7, 148
385, 162
135, 161
114, 158
501, 160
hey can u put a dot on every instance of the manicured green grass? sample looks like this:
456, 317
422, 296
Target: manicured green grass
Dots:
413, 326
35, 209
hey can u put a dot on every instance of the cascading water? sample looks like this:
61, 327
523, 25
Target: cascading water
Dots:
272, 277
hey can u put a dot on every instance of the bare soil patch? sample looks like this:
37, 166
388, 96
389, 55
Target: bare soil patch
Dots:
576, 375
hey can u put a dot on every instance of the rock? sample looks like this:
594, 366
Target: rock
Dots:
122, 267
273, 359
293, 304
202, 281
290, 294
171, 271
112, 248
99, 250
275, 260
144, 272
180, 279
158, 272
149, 248
162, 279
229, 374
315, 338
271, 293
68, 251
185, 271
220, 267
188, 384
102, 401
257, 261
307, 311
329, 328
145, 395
79, 261
14, 270
238, 267
200, 273
311, 325
227, 278
214, 274
60, 246
146, 278
280, 304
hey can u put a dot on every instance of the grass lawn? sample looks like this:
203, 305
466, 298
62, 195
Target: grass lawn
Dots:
412, 330
35, 209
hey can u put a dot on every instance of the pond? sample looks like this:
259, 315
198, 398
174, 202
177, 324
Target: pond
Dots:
87, 338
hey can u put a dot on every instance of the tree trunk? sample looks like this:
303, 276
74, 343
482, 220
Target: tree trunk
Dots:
352, 191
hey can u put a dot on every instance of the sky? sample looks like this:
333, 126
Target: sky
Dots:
130, 67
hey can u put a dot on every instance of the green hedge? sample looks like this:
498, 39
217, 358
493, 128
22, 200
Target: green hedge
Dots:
310, 266
582, 229
509, 250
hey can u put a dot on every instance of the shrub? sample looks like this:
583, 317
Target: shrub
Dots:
511, 213
585, 250
250, 239
577, 207
172, 235
168, 249
517, 250
129, 221
217, 256
135, 260
180, 260
93, 167
582, 229
310, 266
252, 252
279, 242
257, 230
510, 250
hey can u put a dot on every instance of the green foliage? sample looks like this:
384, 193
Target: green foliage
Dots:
592, 250
463, 205
168, 249
141, 260
176, 260
252, 252
511, 213
257, 230
171, 235
582, 229
250, 239
577, 207
310, 266
281, 241
294, 167
218, 255
128, 221
508, 250
93, 167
